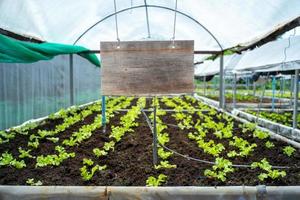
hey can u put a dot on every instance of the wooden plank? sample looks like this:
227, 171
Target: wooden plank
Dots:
147, 68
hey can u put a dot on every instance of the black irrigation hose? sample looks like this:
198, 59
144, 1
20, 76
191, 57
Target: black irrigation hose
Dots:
199, 160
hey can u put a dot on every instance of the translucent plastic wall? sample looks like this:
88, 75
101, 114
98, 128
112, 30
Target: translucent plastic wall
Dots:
35, 90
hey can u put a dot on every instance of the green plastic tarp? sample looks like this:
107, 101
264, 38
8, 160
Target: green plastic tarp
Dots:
15, 51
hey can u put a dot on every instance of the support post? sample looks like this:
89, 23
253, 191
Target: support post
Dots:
71, 80
296, 90
291, 89
247, 84
254, 88
154, 134
234, 91
281, 86
103, 110
273, 92
221, 91
204, 89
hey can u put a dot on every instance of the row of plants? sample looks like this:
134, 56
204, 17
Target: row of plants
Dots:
68, 116
126, 125
206, 133
285, 118
86, 131
162, 138
223, 129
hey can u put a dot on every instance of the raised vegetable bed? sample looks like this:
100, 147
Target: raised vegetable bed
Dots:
204, 148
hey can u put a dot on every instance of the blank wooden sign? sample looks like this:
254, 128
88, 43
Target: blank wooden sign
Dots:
147, 68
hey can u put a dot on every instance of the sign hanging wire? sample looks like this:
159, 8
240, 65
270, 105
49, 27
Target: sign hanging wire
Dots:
147, 19
174, 25
116, 22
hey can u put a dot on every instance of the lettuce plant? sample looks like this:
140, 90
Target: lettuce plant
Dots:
154, 182
99, 152
31, 182
7, 159
264, 165
221, 168
56, 160
88, 174
164, 154
24, 153
269, 144
164, 164
288, 150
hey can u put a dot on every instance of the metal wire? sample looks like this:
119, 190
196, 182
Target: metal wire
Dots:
199, 160
147, 19
289, 45
116, 21
158, 7
174, 25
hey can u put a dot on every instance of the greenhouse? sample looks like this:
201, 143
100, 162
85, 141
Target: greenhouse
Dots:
147, 99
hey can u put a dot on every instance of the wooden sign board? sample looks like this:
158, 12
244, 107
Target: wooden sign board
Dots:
147, 68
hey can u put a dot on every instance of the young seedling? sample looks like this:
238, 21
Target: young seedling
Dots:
99, 152
24, 153
164, 164
31, 182
269, 144
154, 182
221, 168
288, 150
264, 165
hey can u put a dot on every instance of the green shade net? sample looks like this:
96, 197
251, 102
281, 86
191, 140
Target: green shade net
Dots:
15, 51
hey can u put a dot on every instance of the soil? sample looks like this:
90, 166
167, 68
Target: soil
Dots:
130, 164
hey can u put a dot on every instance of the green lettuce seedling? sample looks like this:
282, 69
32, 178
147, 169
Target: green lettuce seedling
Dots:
154, 182
288, 150
31, 182
99, 152
164, 164
269, 144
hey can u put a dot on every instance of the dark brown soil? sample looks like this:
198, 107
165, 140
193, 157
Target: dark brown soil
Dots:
130, 164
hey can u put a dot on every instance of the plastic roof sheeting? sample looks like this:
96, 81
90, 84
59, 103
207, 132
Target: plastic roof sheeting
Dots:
213, 67
232, 22
280, 55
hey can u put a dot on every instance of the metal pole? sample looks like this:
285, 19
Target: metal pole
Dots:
103, 110
273, 92
71, 80
221, 92
247, 84
204, 86
215, 86
292, 88
281, 86
254, 88
234, 91
154, 135
296, 89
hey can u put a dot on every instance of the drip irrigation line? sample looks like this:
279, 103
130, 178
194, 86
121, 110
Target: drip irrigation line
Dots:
199, 160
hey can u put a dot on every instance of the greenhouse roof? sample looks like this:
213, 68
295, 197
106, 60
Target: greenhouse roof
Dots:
279, 55
231, 22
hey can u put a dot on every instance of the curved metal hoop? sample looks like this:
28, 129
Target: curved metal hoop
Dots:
151, 6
